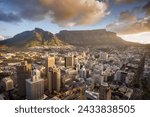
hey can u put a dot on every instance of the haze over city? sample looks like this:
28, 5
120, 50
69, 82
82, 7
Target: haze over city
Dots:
130, 19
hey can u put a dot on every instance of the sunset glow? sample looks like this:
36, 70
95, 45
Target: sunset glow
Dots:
143, 38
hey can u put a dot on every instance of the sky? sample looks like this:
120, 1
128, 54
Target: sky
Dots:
130, 19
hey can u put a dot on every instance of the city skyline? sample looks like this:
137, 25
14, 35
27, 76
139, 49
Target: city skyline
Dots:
130, 19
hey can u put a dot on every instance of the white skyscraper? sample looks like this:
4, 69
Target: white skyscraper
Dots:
78, 66
83, 72
35, 86
102, 80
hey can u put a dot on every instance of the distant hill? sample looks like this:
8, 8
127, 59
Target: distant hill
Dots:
92, 38
36, 37
147, 45
39, 37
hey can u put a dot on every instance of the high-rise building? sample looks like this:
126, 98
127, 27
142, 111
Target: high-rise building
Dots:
76, 60
35, 86
103, 56
54, 79
77, 66
104, 92
101, 80
8, 84
50, 62
83, 72
121, 76
57, 79
69, 61
88, 73
129, 78
23, 73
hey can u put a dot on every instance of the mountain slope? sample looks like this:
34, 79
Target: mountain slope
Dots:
36, 37
56, 42
91, 38
39, 37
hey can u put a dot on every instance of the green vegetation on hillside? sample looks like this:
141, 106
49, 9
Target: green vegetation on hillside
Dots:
53, 42
56, 42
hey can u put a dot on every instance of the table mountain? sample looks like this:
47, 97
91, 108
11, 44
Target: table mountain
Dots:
91, 38
39, 37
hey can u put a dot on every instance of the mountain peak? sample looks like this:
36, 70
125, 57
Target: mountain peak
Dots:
38, 30
36, 37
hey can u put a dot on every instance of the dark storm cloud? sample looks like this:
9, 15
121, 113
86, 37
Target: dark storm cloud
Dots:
9, 17
61, 12
146, 8
27, 9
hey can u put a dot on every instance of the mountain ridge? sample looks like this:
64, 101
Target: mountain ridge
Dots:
92, 38
39, 37
36, 37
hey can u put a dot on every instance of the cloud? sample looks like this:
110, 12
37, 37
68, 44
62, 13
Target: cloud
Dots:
140, 37
146, 8
75, 12
128, 1
127, 16
9, 17
2, 37
61, 12
129, 23
27, 9
124, 1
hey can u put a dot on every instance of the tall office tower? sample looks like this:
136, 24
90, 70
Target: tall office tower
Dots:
83, 72
35, 86
104, 92
50, 62
101, 80
76, 60
120, 76
23, 73
69, 61
77, 66
8, 83
54, 79
88, 73
130, 77
103, 56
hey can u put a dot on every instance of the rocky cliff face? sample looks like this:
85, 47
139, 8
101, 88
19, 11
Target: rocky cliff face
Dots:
90, 37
